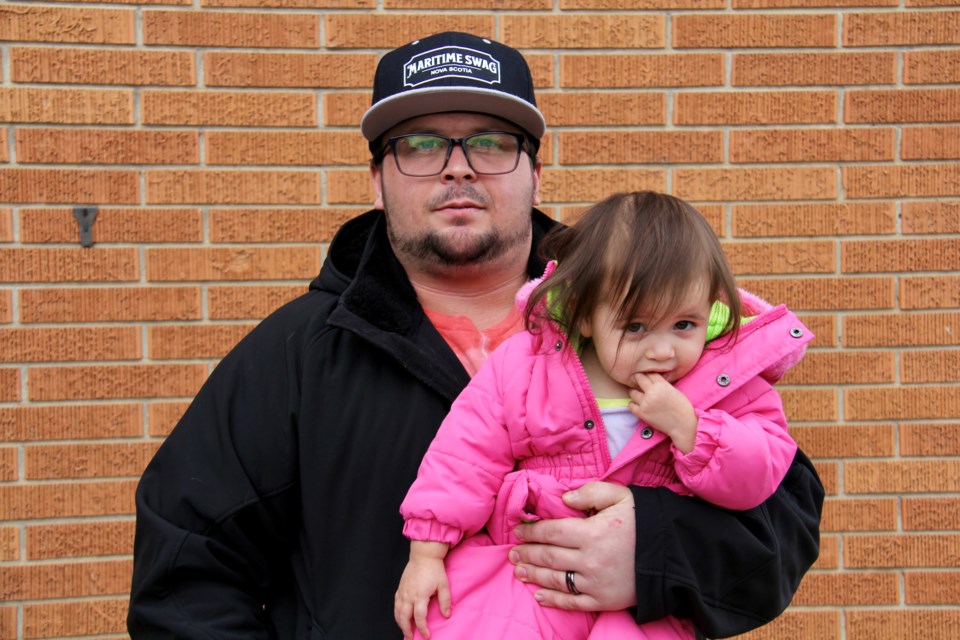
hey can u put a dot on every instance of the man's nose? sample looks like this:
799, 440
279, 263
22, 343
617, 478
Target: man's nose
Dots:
457, 165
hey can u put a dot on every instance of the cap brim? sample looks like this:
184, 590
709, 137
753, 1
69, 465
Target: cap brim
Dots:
420, 102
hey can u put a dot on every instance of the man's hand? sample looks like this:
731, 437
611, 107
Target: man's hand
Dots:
599, 550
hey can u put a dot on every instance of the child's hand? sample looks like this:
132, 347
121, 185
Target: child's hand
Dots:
665, 408
423, 577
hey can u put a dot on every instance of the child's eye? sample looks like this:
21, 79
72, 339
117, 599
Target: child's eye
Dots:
684, 325
635, 327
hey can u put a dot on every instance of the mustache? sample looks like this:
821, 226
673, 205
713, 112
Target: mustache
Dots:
458, 192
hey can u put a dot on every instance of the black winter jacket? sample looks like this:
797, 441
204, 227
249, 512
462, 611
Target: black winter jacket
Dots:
271, 511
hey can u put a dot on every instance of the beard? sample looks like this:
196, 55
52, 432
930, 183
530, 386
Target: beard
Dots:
457, 246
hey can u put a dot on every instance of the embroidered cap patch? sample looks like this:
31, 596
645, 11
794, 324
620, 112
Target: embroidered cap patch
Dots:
451, 62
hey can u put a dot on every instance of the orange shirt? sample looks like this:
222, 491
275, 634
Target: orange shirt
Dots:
469, 343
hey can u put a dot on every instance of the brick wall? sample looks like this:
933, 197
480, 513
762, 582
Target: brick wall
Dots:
219, 140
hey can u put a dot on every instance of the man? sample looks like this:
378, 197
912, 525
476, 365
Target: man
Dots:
271, 509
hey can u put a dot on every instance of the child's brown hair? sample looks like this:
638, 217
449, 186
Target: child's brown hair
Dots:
645, 249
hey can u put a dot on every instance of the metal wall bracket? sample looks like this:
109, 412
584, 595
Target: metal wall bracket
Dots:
85, 217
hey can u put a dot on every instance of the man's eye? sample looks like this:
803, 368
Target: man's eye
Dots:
424, 143
484, 142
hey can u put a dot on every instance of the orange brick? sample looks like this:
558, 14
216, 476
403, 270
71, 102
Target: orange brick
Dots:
66, 500
117, 381
591, 109
930, 514
886, 181
930, 292
898, 551
931, 587
842, 515
66, 106
936, 439
843, 367
647, 70
820, 219
66, 344
9, 550
73, 579
871, 256
526, 5
647, 147
931, 217
277, 225
590, 185
102, 66
813, 68
177, 342
756, 183
848, 589
78, 539
826, 293
260, 263
9, 385
231, 29
8, 621
308, 148
930, 366
380, 31
641, 4
349, 187
4, 157
9, 464
163, 416
829, 553
6, 306
755, 107
877, 624
846, 440
61, 24
345, 109
895, 330
901, 105
68, 265
902, 476
92, 146
931, 67
797, 624
6, 224
584, 31
70, 421
930, 143
249, 302
89, 617
780, 257
806, 4
259, 69
812, 145
94, 460
127, 304
830, 476
42, 225
753, 30
905, 403
809, 405
73, 186
229, 108
901, 28
297, 4
175, 186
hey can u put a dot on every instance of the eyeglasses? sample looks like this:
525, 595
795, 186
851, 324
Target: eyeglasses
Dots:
488, 153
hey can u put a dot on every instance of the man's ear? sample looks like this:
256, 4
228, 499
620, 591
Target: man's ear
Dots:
376, 180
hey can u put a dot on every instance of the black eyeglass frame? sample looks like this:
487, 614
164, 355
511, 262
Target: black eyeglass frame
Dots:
391, 144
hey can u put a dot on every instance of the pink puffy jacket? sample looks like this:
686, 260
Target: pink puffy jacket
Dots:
528, 427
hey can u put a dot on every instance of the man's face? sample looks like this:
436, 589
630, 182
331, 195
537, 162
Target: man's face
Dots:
456, 218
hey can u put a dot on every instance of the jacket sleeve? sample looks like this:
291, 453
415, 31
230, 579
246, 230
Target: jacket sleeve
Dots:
742, 449
215, 506
464, 468
765, 553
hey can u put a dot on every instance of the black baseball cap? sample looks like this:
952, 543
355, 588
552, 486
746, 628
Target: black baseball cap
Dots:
452, 71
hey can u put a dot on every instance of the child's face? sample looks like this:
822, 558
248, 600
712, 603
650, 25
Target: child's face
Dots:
671, 346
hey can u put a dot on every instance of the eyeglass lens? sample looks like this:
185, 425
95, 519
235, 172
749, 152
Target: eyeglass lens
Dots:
489, 153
